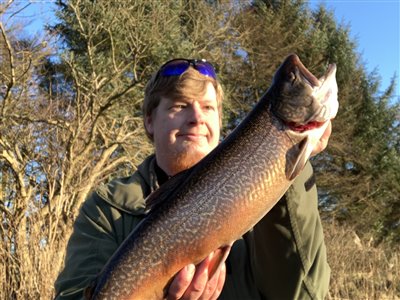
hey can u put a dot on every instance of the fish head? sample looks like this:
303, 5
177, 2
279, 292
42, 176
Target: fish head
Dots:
304, 105
301, 100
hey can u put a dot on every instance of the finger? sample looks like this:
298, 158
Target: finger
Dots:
220, 283
216, 282
325, 137
181, 282
323, 141
201, 286
211, 284
199, 282
328, 131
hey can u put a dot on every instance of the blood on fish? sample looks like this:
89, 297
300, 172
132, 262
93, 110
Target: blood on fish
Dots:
304, 127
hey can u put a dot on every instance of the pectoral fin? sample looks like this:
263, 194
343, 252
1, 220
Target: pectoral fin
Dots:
296, 158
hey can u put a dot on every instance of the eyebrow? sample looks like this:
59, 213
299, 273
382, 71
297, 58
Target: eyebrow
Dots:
189, 100
207, 101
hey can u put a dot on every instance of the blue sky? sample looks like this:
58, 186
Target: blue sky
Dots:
376, 27
374, 24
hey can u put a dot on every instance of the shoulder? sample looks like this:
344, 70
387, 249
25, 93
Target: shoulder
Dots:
128, 193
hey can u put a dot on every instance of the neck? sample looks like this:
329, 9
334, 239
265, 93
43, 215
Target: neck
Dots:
161, 175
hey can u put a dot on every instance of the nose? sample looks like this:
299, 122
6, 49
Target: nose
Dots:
197, 115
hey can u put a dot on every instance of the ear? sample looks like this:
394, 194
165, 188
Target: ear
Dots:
148, 124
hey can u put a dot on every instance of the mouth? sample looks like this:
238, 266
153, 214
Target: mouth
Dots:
192, 136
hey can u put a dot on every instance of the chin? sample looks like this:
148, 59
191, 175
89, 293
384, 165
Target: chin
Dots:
188, 157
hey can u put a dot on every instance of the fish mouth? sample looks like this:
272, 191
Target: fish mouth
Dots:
329, 74
314, 82
304, 127
304, 72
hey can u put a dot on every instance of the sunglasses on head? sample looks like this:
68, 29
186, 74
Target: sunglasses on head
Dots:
176, 67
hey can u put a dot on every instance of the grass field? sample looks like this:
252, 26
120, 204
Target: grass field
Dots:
361, 270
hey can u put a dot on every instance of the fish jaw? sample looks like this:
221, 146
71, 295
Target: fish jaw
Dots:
327, 95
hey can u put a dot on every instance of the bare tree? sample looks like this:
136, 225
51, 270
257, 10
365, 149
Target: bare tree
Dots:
53, 149
63, 131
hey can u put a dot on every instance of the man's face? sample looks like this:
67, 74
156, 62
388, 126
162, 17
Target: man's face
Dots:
184, 130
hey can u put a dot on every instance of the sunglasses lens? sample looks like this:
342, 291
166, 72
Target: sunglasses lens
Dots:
174, 68
179, 66
206, 69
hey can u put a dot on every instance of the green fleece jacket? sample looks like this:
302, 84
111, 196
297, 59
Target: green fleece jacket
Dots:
282, 257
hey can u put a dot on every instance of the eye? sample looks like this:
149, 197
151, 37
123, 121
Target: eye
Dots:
178, 107
209, 107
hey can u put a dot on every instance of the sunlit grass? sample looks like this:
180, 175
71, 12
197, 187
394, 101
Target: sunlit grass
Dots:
360, 269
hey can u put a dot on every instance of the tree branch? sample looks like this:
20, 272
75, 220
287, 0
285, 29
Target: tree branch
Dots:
11, 83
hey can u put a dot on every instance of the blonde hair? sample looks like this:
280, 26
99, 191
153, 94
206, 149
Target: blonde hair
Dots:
189, 85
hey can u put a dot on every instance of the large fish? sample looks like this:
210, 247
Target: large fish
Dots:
222, 197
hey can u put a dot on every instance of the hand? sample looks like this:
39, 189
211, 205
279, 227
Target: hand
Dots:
193, 282
323, 142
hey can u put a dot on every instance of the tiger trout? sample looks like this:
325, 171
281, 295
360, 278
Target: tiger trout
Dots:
222, 197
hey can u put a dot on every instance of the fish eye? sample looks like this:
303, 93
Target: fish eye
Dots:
292, 77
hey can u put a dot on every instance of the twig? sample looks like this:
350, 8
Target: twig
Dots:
6, 6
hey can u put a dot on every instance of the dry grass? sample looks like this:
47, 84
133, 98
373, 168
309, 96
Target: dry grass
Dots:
361, 270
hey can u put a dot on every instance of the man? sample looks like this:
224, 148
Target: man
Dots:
282, 257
